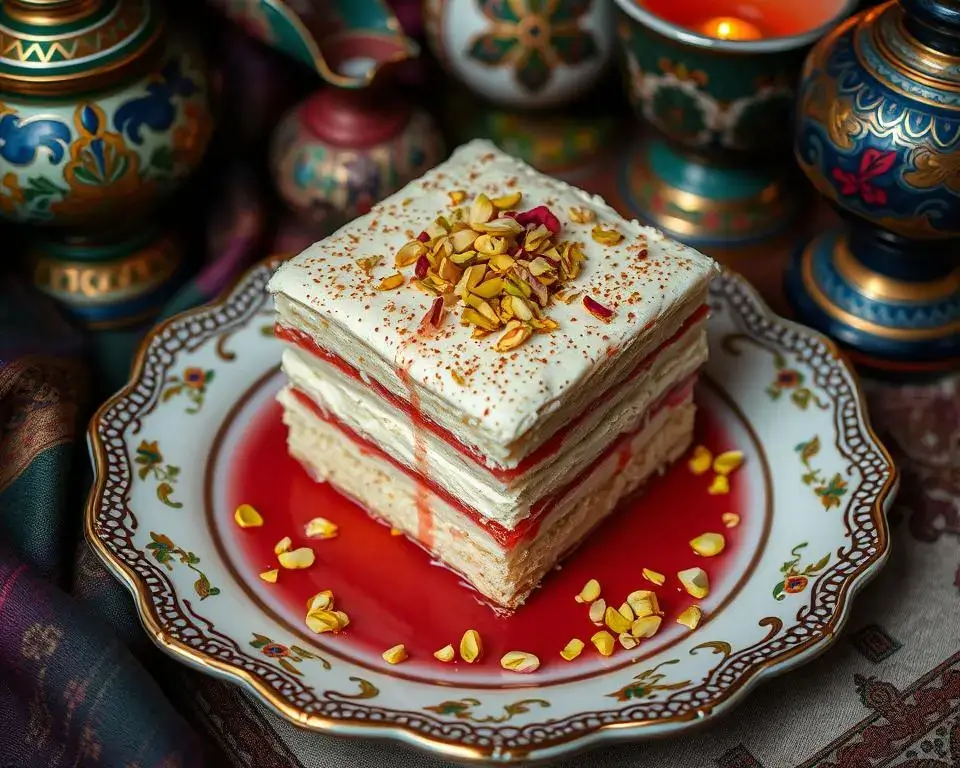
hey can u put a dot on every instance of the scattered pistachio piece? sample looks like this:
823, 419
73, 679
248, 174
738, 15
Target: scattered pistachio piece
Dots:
445, 654
627, 640
690, 617
644, 603
615, 621
720, 486
603, 642
708, 544
320, 528
582, 215
282, 546
395, 655
589, 593
322, 601
520, 661
247, 517
727, 462
470, 646
695, 581
605, 236
396, 532
626, 611
598, 609
457, 196
646, 626
730, 519
654, 577
295, 559
701, 460
270, 576
369, 263
323, 621
389, 283
572, 649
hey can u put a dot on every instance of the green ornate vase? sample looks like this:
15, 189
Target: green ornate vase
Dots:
717, 170
103, 112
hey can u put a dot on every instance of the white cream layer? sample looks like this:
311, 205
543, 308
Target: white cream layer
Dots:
503, 573
508, 503
504, 406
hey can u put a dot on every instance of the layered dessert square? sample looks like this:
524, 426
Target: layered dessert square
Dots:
489, 361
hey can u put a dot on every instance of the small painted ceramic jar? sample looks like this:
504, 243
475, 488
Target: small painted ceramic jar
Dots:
340, 151
522, 53
102, 132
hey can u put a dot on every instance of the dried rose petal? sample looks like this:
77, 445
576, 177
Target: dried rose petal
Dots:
597, 309
423, 237
539, 215
434, 316
423, 266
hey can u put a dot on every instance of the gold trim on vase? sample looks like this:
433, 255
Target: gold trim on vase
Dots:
866, 326
882, 288
64, 12
92, 283
135, 64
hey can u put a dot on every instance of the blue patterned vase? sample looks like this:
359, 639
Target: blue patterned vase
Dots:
879, 136
102, 114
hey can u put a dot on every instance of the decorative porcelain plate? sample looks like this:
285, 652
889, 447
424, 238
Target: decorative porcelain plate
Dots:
197, 432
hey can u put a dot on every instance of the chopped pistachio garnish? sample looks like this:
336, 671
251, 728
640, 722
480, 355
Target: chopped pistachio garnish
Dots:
730, 519
582, 215
502, 267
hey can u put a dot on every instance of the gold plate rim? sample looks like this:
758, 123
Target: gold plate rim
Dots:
634, 730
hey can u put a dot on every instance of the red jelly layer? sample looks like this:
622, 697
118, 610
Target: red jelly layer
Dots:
543, 452
506, 537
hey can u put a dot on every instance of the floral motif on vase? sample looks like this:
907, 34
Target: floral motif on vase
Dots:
80, 163
533, 37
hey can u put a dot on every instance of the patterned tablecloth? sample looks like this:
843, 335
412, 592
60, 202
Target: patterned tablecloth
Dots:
81, 685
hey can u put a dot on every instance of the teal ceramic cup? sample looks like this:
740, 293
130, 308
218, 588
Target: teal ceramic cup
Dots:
716, 168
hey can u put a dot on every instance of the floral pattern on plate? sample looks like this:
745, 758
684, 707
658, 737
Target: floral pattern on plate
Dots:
753, 633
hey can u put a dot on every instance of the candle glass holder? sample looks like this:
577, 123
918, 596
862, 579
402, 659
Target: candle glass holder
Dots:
878, 134
716, 171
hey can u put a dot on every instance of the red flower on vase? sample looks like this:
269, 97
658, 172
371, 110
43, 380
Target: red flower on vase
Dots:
873, 164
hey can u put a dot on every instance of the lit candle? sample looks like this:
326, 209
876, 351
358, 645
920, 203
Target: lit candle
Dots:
730, 28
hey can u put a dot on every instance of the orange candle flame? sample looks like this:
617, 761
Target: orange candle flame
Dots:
730, 28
